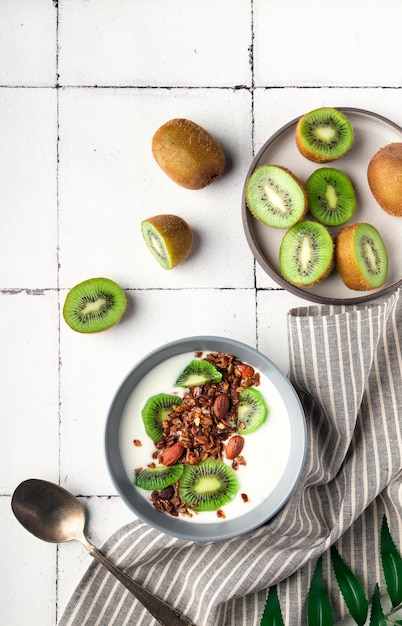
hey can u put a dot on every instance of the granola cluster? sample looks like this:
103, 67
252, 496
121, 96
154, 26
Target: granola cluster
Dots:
203, 423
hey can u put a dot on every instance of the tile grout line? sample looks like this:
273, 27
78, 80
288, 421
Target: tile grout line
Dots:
252, 88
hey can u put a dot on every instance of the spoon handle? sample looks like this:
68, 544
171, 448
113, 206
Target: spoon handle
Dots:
162, 612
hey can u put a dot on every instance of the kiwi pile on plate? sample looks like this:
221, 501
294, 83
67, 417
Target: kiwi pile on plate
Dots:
309, 252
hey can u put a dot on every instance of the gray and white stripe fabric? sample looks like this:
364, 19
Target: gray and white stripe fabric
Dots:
346, 365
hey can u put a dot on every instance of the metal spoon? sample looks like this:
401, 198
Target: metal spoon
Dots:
53, 514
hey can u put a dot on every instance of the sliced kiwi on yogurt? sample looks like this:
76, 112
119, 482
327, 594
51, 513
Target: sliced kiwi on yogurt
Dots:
156, 410
306, 254
252, 411
208, 486
158, 477
94, 305
275, 196
169, 238
198, 372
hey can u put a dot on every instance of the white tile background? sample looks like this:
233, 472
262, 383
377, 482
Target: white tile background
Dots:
84, 84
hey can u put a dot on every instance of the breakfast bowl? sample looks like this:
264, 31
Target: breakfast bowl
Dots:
200, 428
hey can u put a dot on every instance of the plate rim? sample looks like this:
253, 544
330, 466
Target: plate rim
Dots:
222, 529
264, 262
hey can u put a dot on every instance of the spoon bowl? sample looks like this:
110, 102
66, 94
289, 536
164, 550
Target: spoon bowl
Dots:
53, 514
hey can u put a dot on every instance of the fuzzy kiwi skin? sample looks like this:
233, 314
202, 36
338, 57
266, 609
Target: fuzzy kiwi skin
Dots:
346, 262
176, 234
308, 152
384, 174
188, 153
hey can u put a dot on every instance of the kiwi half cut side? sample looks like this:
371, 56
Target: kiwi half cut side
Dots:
324, 134
331, 196
94, 305
275, 196
252, 411
156, 410
169, 238
361, 257
158, 477
208, 486
198, 372
306, 254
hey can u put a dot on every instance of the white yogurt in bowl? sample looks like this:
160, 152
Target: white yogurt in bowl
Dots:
274, 453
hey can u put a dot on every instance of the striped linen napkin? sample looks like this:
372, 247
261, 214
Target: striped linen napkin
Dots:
346, 365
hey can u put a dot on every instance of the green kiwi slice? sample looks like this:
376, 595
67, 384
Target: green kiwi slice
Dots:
159, 477
324, 134
169, 238
361, 256
306, 254
208, 486
252, 411
198, 372
275, 196
156, 409
94, 305
331, 196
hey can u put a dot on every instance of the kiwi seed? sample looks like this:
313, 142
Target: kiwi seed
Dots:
384, 174
275, 196
188, 153
94, 305
331, 196
252, 411
158, 477
306, 254
198, 372
169, 238
156, 409
324, 134
208, 486
361, 257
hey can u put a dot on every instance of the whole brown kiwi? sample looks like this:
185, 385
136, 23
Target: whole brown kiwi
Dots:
384, 174
188, 153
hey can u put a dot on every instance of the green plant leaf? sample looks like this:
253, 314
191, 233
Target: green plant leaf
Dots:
272, 615
351, 589
391, 564
319, 609
377, 617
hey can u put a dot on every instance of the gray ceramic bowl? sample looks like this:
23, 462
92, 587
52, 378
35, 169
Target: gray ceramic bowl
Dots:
221, 529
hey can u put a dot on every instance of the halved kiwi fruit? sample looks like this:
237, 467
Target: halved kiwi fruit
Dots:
361, 257
169, 238
198, 372
94, 305
331, 196
156, 409
384, 174
208, 486
324, 134
306, 254
275, 196
252, 411
158, 477
188, 153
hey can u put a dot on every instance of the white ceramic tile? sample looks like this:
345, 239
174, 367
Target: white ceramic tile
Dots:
93, 367
134, 43
28, 190
272, 309
27, 574
339, 43
109, 182
29, 447
28, 42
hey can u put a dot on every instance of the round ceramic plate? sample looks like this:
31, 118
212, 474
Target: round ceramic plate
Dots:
372, 132
281, 442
